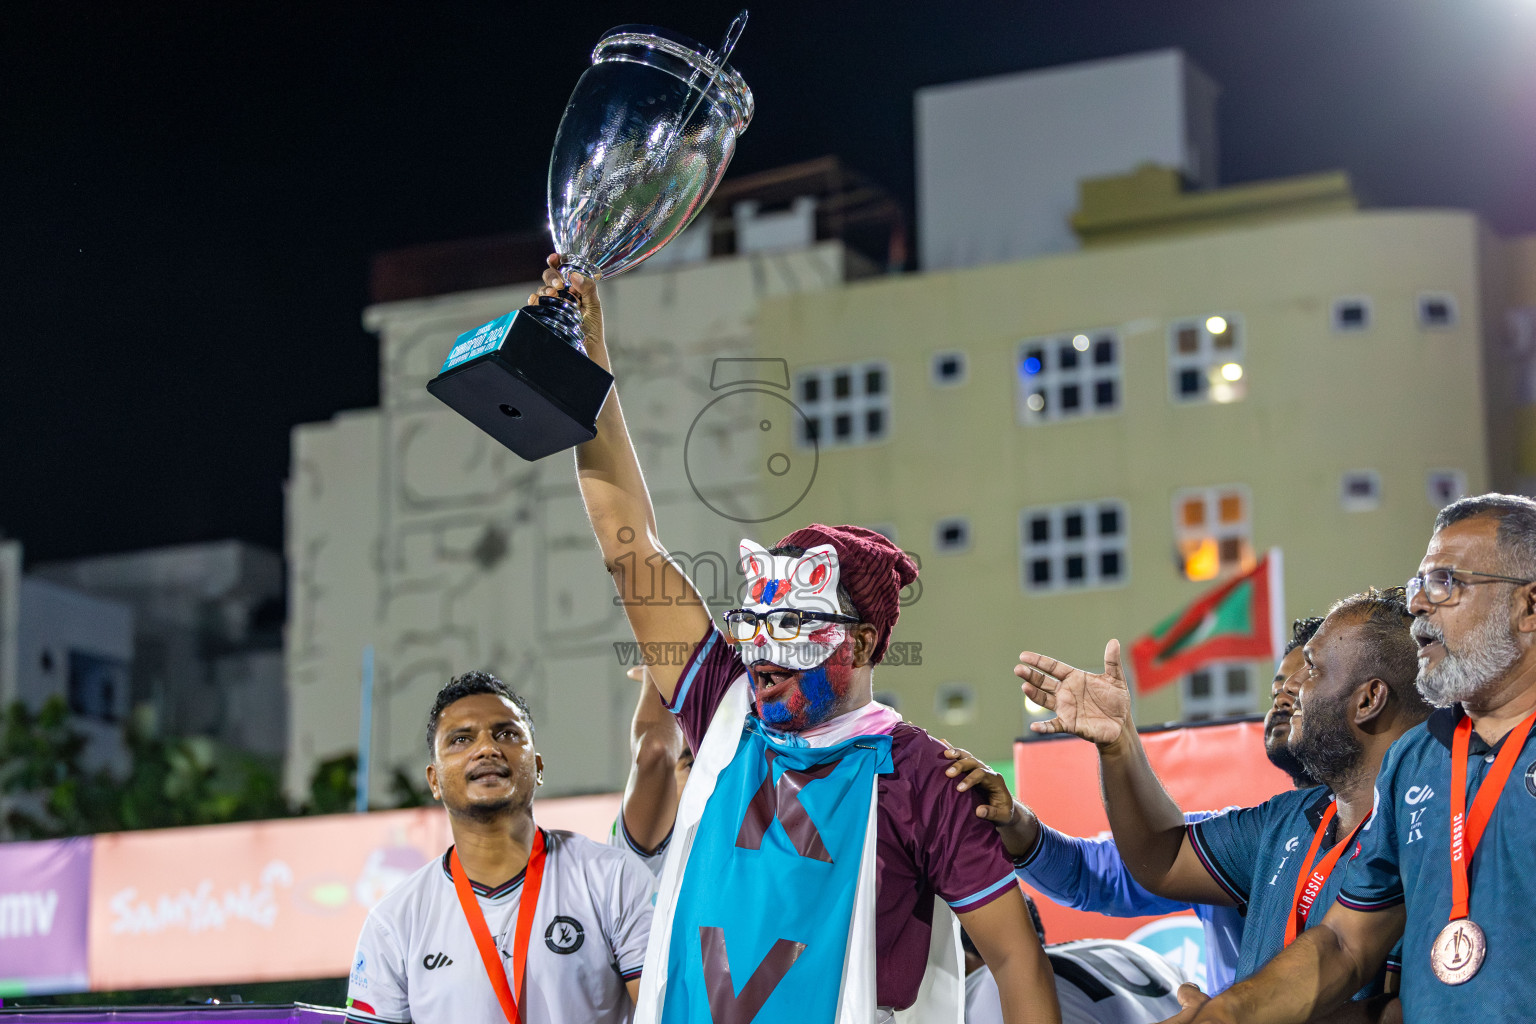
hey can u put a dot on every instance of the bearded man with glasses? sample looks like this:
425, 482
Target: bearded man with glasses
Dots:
1445, 859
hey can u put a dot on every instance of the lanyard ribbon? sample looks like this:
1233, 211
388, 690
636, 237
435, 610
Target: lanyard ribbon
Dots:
1310, 881
489, 955
1467, 832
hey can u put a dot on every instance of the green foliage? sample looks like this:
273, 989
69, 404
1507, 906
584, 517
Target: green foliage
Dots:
172, 781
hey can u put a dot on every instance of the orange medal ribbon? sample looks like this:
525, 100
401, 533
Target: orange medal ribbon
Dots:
1309, 883
489, 954
1467, 832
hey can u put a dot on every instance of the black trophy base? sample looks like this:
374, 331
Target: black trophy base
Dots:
534, 393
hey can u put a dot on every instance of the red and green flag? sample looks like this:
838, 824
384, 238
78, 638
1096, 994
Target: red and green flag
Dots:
1240, 620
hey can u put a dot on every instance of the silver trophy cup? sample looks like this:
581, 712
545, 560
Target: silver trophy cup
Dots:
643, 142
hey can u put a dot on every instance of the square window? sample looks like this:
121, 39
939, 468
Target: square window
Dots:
874, 382
874, 422
1230, 551
1034, 361
1074, 546
842, 426
845, 405
1437, 310
1193, 512
1039, 529
1072, 525
1109, 522
1360, 490
96, 686
1188, 340
1231, 506
1191, 382
810, 389
1104, 394
952, 535
1070, 398
1068, 376
842, 385
1104, 352
948, 368
812, 429
1075, 568
1226, 340
1066, 357
1200, 684
1040, 572
1237, 680
1109, 564
1351, 315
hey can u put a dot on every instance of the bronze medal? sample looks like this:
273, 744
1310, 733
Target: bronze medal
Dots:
1458, 952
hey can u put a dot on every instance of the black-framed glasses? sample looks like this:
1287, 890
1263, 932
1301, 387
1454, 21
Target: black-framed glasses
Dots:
742, 624
1439, 585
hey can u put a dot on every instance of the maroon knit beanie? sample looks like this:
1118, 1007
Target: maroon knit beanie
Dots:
870, 568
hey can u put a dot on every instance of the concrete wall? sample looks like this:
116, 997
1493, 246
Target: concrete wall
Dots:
1319, 402
411, 531
67, 638
999, 159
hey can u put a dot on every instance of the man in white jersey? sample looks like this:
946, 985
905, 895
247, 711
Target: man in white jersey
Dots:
1098, 981
659, 765
514, 921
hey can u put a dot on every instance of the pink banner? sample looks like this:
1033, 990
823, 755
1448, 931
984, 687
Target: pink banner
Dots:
264, 901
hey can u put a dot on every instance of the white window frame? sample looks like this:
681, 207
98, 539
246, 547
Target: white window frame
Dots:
857, 404
1207, 360
1453, 314
962, 373
1352, 502
940, 547
1050, 380
1220, 703
1213, 527
1058, 548
1364, 303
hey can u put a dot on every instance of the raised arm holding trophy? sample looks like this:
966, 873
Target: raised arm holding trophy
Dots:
645, 138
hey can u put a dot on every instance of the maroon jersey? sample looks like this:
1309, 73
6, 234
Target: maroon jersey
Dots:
930, 840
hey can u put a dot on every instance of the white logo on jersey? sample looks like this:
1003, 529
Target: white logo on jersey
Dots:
1417, 794
1290, 848
1414, 830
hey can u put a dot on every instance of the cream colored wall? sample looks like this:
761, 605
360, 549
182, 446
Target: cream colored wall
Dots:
1396, 398
412, 531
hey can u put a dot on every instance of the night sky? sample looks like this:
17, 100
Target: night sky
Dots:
190, 193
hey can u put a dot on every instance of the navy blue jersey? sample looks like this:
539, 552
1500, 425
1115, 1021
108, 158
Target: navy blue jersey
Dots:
1406, 857
1255, 854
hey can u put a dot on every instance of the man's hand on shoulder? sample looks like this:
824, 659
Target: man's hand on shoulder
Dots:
1016, 823
1095, 706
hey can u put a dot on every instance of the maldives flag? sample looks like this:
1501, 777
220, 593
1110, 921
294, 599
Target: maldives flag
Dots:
1243, 619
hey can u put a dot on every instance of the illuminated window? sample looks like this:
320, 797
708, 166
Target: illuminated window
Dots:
1079, 546
1212, 529
845, 405
1068, 376
1218, 691
1205, 359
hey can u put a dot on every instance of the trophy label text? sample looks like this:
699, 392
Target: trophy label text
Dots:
483, 339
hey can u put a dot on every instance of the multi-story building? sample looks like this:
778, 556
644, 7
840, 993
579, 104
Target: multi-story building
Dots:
413, 533
1078, 445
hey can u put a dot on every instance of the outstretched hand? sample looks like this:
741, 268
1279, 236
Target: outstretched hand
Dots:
1094, 706
580, 289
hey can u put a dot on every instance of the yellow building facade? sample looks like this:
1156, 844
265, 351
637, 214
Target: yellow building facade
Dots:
1063, 442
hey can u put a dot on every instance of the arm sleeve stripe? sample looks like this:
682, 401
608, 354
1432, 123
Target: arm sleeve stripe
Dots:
1357, 903
1209, 863
1021, 864
976, 897
629, 840
695, 664
631, 975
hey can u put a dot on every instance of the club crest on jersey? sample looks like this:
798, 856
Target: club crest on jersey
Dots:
1530, 779
807, 583
564, 935
360, 972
